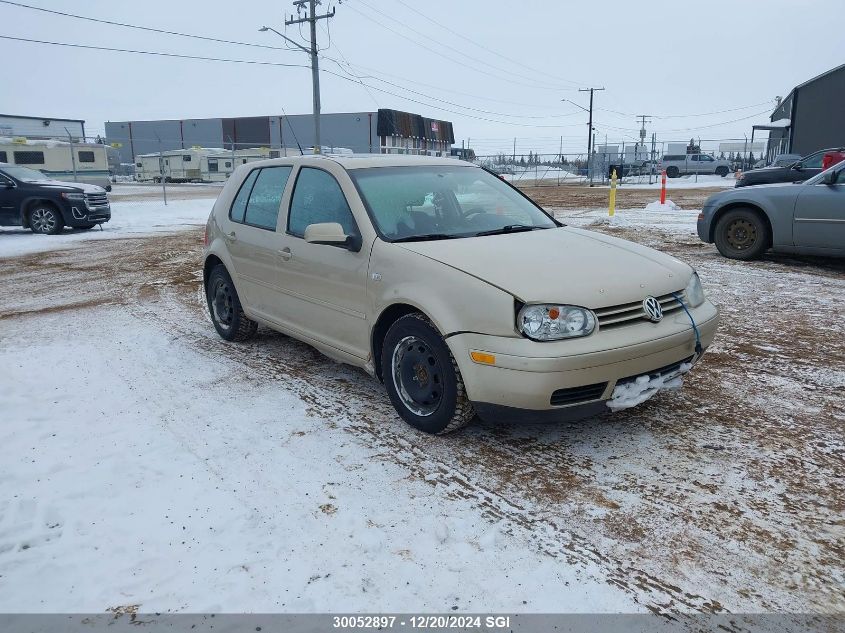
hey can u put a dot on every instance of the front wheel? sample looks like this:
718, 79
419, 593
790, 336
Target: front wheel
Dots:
46, 219
742, 234
422, 377
225, 307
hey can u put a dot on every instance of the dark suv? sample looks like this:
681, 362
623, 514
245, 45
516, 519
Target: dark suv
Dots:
799, 171
31, 200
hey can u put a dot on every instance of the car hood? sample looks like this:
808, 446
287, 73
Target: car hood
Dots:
67, 186
562, 265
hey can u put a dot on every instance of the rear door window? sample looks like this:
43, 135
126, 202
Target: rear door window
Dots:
263, 207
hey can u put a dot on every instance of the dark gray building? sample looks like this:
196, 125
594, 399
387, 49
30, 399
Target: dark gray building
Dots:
388, 131
811, 117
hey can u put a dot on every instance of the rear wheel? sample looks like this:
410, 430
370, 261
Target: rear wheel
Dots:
673, 172
422, 378
225, 307
742, 234
45, 218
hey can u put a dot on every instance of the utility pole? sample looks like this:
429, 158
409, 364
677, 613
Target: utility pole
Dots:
642, 118
311, 18
590, 123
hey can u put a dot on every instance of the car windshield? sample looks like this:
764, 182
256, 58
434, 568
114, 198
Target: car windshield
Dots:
23, 173
444, 201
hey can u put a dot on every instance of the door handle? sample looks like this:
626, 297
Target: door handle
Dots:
231, 237
285, 254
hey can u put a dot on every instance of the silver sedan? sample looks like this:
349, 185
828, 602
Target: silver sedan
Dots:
807, 217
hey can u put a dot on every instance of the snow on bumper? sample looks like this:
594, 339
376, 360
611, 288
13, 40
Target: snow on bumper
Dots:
633, 392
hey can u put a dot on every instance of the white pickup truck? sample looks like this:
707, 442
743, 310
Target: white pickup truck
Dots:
684, 164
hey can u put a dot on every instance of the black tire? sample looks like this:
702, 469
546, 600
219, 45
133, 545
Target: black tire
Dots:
742, 234
225, 308
430, 394
673, 172
722, 171
44, 218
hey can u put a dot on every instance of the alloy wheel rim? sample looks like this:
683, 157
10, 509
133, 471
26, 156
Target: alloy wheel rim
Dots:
418, 376
43, 220
741, 234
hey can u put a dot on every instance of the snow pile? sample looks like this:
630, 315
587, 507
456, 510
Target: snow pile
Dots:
680, 222
637, 391
666, 206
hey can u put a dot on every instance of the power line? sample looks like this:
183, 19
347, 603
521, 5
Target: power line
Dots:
451, 59
440, 42
684, 116
464, 38
260, 63
141, 28
156, 53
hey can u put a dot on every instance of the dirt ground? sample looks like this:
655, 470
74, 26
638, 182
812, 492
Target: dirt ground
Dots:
580, 197
726, 496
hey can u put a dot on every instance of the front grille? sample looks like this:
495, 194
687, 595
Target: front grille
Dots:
628, 313
575, 395
96, 199
660, 371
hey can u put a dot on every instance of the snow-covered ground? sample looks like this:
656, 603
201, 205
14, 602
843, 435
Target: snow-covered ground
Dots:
129, 218
522, 174
679, 221
136, 471
120, 190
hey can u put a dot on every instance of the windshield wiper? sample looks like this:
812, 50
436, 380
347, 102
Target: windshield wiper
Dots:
510, 228
427, 237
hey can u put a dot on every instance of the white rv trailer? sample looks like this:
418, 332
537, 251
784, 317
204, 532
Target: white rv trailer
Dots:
55, 159
176, 165
222, 163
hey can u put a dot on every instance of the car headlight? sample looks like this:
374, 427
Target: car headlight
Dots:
545, 322
694, 292
73, 196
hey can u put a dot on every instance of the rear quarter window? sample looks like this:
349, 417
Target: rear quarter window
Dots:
238, 210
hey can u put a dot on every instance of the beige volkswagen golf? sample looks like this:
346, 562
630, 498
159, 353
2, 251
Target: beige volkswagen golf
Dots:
450, 286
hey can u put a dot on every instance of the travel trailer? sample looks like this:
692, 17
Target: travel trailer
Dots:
59, 160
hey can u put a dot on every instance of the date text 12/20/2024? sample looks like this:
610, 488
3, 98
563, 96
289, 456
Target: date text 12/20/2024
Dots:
421, 622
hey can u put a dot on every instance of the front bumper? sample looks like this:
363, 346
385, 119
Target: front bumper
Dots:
80, 213
528, 376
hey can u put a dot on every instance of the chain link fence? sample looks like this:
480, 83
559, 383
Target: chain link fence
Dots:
633, 162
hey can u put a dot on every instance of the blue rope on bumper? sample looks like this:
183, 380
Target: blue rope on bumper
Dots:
698, 348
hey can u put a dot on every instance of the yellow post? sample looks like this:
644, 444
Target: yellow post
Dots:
611, 210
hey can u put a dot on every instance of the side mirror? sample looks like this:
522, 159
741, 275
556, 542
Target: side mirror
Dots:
331, 234
797, 166
829, 177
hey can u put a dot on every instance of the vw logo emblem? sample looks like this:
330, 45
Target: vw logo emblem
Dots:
652, 309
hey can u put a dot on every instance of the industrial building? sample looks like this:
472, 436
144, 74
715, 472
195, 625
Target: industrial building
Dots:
41, 127
810, 117
384, 131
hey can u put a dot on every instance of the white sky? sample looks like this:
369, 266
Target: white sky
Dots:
679, 57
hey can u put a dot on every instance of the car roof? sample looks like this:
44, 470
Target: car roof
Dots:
364, 161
